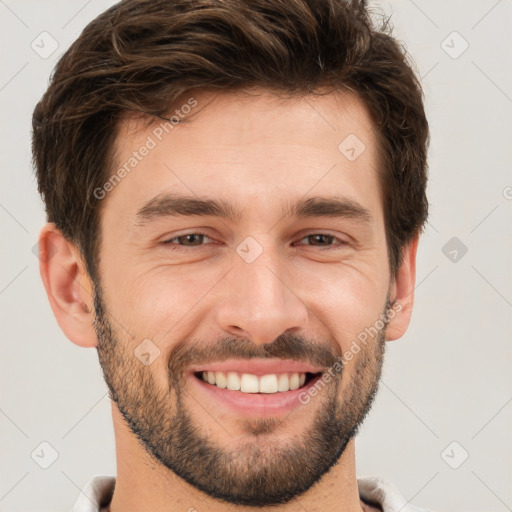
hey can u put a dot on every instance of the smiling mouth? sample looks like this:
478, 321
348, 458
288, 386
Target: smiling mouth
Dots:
252, 384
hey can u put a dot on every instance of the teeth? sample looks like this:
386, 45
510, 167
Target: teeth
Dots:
249, 383
268, 384
220, 380
283, 383
233, 381
294, 381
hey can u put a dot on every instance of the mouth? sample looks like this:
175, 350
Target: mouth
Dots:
254, 388
250, 383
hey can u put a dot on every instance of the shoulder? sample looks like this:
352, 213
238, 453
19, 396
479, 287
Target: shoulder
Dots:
96, 494
377, 491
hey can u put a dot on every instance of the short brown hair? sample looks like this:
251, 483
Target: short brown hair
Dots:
143, 55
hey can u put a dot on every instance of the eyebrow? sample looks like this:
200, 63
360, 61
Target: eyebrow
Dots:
171, 205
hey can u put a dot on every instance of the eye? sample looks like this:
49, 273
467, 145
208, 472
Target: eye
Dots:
189, 240
324, 241
324, 238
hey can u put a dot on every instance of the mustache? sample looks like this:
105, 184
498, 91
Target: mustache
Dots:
287, 346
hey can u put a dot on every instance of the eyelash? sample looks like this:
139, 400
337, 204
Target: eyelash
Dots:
178, 247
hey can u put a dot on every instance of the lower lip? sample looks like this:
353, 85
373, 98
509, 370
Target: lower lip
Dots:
254, 404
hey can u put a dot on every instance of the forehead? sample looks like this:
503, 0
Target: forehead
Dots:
251, 146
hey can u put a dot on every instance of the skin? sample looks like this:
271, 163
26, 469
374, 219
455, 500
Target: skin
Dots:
260, 152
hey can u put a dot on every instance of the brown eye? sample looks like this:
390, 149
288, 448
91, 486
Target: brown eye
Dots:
321, 239
188, 240
324, 240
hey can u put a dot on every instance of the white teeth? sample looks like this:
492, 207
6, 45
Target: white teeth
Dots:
294, 381
249, 383
283, 383
268, 384
220, 380
233, 381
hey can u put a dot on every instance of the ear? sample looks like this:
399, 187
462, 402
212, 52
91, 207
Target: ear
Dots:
68, 286
402, 293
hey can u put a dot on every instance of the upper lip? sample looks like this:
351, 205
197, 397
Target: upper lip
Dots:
257, 366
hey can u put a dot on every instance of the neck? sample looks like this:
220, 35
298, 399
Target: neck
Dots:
143, 484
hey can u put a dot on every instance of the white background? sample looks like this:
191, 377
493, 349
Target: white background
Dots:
448, 379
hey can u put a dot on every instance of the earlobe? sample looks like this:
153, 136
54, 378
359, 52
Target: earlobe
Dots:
68, 286
402, 293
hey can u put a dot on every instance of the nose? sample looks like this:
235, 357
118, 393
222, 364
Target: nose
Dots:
257, 300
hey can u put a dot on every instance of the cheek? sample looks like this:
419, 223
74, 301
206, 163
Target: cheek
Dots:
346, 301
161, 298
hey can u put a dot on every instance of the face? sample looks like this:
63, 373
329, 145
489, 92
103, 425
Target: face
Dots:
216, 332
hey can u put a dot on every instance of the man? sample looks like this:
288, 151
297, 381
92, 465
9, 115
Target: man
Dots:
234, 192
